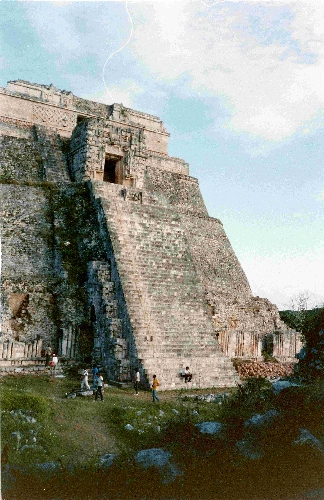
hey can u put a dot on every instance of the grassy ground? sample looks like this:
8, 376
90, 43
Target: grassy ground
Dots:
78, 431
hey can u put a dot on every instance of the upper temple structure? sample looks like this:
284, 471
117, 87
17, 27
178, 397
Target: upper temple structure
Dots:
108, 252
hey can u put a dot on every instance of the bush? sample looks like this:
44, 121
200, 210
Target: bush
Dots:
254, 396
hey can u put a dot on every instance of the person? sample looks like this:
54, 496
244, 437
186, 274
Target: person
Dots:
155, 385
99, 381
53, 364
94, 374
187, 374
137, 381
85, 383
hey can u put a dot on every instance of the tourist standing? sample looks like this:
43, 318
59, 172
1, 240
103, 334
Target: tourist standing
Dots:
85, 383
155, 385
99, 381
137, 380
53, 364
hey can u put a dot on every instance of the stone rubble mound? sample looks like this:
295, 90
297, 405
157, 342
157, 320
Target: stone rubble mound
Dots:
267, 370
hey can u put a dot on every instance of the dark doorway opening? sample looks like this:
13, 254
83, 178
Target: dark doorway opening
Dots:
110, 170
86, 342
81, 119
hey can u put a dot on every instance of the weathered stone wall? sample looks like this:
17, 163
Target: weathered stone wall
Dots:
58, 109
175, 190
20, 159
27, 263
49, 234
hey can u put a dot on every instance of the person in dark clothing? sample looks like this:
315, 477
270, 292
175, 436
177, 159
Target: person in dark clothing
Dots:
99, 387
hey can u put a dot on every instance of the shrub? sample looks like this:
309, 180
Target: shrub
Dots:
254, 396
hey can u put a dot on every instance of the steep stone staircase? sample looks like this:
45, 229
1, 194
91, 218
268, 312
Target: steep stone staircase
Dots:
164, 297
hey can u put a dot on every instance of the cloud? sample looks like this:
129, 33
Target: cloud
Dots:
264, 60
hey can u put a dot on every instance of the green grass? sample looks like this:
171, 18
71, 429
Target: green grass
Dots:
78, 431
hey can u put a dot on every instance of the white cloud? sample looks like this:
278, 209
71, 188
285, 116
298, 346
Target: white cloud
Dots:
273, 81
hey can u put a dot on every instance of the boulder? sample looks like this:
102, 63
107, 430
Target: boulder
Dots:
85, 393
106, 460
159, 459
47, 468
153, 457
210, 427
279, 385
306, 438
70, 395
262, 420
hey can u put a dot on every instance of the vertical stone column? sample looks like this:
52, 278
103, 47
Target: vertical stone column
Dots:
14, 350
9, 353
5, 349
33, 348
73, 343
39, 346
64, 342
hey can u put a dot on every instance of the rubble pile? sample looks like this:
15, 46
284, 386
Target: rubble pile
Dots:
267, 370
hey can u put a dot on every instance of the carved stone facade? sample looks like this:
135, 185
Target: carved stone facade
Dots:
109, 253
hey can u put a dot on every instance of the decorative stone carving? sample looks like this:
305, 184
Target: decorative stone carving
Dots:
52, 116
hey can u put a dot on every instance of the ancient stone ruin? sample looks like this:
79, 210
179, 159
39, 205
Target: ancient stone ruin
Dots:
108, 252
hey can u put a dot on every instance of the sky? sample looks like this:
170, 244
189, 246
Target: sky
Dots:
240, 87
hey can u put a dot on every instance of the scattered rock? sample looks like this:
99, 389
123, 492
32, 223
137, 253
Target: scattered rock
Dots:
129, 427
260, 420
175, 411
307, 438
70, 395
210, 427
152, 457
160, 459
47, 468
279, 385
106, 460
85, 393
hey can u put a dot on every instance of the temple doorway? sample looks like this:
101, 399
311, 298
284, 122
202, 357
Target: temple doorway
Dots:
113, 169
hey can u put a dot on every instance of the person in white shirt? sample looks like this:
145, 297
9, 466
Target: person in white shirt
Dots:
84, 382
137, 381
187, 374
53, 364
99, 381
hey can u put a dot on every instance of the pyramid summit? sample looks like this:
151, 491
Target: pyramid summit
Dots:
108, 252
